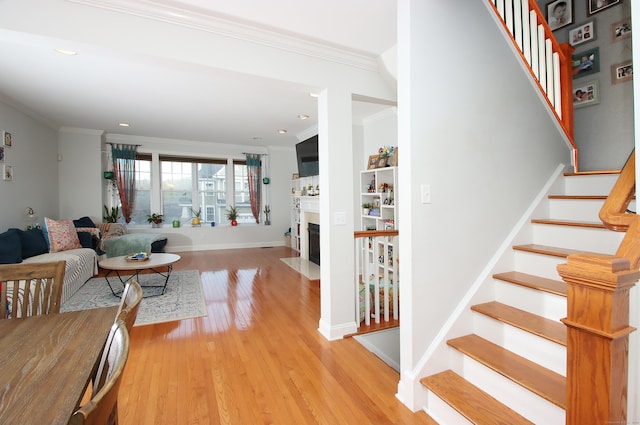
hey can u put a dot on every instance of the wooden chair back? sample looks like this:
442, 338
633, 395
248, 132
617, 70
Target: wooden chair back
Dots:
130, 303
103, 407
30, 289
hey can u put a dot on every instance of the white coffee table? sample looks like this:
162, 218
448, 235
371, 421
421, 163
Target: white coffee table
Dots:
155, 261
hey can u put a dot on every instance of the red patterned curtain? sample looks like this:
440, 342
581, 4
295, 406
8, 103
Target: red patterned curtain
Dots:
124, 170
253, 172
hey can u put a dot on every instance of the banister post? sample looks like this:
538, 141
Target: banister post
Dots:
597, 337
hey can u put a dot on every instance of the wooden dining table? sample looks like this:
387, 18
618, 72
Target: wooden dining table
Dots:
46, 363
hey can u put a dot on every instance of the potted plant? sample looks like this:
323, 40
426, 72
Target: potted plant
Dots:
195, 220
365, 208
267, 213
232, 215
155, 219
111, 216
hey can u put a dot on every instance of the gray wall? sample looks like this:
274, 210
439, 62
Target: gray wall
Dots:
603, 132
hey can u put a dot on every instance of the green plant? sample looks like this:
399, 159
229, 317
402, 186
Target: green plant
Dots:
111, 216
366, 205
196, 213
267, 210
232, 213
155, 218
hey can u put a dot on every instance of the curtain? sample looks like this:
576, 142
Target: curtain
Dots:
124, 170
253, 172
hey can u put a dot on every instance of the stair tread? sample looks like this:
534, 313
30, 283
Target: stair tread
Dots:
572, 223
550, 250
537, 379
546, 328
557, 287
470, 401
579, 197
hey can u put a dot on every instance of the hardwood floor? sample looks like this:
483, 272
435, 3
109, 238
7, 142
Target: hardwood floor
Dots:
257, 358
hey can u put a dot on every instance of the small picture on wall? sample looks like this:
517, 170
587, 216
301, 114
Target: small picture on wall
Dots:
8, 142
586, 62
559, 13
586, 94
621, 30
7, 172
1, 154
595, 6
582, 33
621, 72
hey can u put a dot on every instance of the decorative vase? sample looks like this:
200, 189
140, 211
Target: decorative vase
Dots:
234, 223
155, 225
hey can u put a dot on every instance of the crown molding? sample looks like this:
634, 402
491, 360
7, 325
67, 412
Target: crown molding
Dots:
205, 20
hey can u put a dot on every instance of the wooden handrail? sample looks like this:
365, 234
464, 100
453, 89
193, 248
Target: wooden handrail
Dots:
374, 233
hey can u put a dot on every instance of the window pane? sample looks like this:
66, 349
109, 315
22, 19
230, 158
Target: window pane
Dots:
176, 190
212, 192
241, 194
142, 197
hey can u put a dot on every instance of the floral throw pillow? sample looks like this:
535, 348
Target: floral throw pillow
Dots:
62, 235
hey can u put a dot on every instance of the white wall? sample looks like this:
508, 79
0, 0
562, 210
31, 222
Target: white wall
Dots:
472, 127
35, 169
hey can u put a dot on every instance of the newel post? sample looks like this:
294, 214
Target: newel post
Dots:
597, 337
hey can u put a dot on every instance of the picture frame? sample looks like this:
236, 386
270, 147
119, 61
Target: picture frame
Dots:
595, 6
295, 176
382, 161
582, 33
7, 172
559, 14
393, 159
8, 140
586, 94
373, 162
1, 154
622, 72
621, 30
586, 62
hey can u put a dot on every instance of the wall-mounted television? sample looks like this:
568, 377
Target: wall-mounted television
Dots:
307, 153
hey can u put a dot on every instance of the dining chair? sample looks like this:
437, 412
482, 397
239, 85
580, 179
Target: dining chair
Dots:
130, 303
102, 408
30, 289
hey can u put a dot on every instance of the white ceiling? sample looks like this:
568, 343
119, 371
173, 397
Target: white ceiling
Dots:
161, 97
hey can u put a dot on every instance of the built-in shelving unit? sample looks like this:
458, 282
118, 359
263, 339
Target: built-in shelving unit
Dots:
305, 196
377, 187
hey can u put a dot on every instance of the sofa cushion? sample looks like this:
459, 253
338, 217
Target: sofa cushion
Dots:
84, 222
62, 235
10, 249
86, 239
32, 242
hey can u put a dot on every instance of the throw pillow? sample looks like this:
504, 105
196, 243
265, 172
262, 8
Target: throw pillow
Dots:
86, 239
32, 242
84, 222
62, 235
10, 249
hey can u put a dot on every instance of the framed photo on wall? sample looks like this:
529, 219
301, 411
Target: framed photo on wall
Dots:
8, 141
586, 94
586, 62
582, 33
595, 6
621, 30
559, 13
7, 172
621, 72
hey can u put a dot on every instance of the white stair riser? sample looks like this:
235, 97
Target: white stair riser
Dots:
543, 304
579, 210
442, 413
538, 264
589, 185
509, 393
546, 353
584, 239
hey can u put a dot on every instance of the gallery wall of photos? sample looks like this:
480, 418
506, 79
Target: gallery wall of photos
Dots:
5, 146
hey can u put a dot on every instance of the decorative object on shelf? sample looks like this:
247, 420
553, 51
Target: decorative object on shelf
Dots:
213, 224
382, 161
195, 220
265, 180
267, 215
32, 219
386, 150
232, 215
176, 223
373, 161
155, 219
111, 216
366, 207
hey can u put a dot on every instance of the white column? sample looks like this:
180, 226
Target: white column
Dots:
337, 297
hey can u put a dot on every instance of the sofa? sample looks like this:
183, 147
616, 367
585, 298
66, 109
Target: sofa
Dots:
31, 246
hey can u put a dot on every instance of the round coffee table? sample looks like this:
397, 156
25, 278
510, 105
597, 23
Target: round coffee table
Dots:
154, 261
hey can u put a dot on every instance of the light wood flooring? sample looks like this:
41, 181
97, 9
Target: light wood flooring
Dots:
256, 358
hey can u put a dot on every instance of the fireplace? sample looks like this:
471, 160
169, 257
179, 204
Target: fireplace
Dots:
314, 243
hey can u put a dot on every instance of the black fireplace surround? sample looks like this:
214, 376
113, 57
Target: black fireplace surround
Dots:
314, 243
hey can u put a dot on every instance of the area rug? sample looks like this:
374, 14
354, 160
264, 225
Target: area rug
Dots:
183, 298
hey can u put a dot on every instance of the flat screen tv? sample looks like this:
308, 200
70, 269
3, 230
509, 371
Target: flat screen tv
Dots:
307, 153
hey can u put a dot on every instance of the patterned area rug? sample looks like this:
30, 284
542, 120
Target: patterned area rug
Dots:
183, 298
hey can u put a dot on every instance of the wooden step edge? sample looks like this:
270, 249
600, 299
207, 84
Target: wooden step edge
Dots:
591, 173
570, 223
579, 197
548, 329
543, 284
475, 405
547, 250
535, 378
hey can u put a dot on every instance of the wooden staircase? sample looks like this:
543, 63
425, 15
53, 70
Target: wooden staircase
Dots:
511, 369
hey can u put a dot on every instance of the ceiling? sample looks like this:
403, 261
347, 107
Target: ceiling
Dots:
160, 97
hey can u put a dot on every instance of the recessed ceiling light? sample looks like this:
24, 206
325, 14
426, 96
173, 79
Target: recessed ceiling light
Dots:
257, 138
66, 52
123, 124
313, 94
303, 117
282, 131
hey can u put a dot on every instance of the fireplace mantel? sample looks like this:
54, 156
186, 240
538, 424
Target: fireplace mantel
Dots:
309, 213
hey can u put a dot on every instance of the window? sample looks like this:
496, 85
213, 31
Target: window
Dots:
212, 191
241, 192
142, 197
